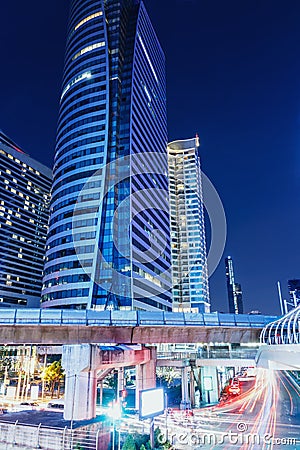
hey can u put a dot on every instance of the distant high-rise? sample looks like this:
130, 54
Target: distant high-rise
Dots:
24, 212
108, 245
188, 245
294, 291
234, 290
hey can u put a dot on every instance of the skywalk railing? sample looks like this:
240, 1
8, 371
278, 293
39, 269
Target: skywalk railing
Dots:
285, 330
28, 437
9, 316
212, 354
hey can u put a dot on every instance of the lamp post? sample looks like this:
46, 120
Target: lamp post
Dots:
166, 413
115, 414
113, 436
73, 406
73, 401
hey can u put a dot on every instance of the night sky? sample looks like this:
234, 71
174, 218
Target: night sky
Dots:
233, 74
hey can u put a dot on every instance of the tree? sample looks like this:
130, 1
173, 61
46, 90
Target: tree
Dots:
157, 437
140, 439
53, 374
129, 443
166, 376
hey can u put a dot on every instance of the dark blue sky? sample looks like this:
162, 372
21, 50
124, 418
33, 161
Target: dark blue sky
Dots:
233, 72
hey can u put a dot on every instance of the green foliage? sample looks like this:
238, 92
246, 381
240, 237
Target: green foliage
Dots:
141, 442
166, 376
53, 374
157, 437
111, 380
129, 443
140, 439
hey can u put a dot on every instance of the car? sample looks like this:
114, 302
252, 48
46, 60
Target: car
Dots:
234, 387
180, 413
29, 404
56, 405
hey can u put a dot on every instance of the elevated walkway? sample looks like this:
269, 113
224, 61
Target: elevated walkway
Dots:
54, 327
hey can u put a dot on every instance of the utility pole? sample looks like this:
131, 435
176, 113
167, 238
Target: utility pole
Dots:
280, 298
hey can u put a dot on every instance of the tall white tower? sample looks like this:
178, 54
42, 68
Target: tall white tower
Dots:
189, 260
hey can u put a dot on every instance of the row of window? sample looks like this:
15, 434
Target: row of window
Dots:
87, 49
71, 189
72, 293
75, 106
68, 226
79, 154
74, 177
74, 145
87, 19
73, 200
68, 265
77, 79
80, 8
69, 238
79, 165
79, 278
83, 92
86, 62
9, 156
93, 35
143, 284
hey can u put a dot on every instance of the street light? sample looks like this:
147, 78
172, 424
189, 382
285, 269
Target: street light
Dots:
115, 413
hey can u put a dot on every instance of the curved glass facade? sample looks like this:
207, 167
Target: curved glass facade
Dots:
189, 261
110, 157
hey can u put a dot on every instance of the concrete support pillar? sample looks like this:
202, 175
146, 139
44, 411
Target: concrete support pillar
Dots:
101, 393
138, 385
192, 388
80, 364
198, 393
120, 381
149, 371
185, 401
230, 350
145, 375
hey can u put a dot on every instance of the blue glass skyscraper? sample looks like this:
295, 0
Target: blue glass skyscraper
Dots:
108, 245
